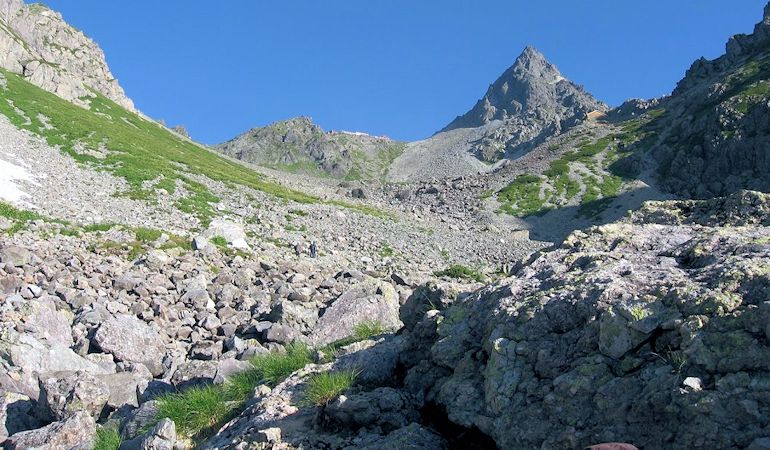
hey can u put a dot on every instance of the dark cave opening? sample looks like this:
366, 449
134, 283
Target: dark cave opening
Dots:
458, 437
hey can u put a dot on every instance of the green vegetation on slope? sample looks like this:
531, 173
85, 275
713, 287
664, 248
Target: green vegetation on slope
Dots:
19, 217
201, 410
584, 176
142, 152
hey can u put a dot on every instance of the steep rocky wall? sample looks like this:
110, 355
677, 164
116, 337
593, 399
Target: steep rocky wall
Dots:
36, 42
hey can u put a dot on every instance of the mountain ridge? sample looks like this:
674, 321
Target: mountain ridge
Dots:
298, 145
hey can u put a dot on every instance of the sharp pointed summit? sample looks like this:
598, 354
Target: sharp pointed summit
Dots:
532, 85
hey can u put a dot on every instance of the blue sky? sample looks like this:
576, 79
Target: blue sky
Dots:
402, 68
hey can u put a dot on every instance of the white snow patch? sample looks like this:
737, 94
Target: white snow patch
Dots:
558, 79
9, 175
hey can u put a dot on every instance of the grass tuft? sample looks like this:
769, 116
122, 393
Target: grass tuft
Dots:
147, 234
99, 227
460, 272
200, 410
386, 250
107, 438
219, 241
324, 387
368, 329
196, 409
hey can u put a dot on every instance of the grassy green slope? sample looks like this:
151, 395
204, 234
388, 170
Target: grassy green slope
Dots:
583, 177
142, 152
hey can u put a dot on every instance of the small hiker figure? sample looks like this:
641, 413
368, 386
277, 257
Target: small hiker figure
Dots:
313, 249
298, 249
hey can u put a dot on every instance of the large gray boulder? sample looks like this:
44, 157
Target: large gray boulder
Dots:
65, 393
410, 437
387, 408
32, 357
232, 232
43, 321
17, 413
376, 361
368, 301
15, 255
75, 432
123, 388
131, 340
302, 316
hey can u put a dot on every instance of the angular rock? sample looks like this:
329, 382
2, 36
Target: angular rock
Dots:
160, 437
15, 255
232, 232
65, 393
33, 357
76, 431
410, 437
131, 340
123, 388
369, 301
385, 407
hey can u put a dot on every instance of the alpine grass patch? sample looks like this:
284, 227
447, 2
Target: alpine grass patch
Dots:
200, 410
326, 386
460, 272
107, 438
145, 154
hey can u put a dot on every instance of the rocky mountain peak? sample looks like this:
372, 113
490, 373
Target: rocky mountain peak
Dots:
531, 86
36, 43
532, 65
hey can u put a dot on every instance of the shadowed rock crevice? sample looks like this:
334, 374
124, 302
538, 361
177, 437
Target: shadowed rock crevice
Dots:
457, 437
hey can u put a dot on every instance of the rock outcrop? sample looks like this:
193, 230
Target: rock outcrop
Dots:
651, 331
37, 43
531, 88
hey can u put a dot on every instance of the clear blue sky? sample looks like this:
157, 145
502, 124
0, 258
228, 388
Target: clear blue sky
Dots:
403, 68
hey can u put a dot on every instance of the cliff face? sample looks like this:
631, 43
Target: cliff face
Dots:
37, 43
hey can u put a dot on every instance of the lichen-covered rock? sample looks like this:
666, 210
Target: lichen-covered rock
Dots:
75, 432
410, 437
369, 301
385, 407
131, 340
15, 255
160, 437
31, 357
65, 393
602, 340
